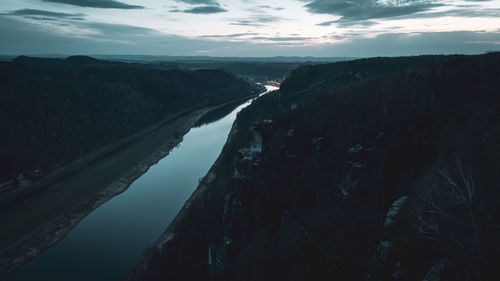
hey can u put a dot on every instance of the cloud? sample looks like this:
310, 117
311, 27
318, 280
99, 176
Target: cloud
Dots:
345, 24
360, 10
245, 23
234, 35
269, 7
201, 10
42, 14
20, 36
107, 4
465, 11
280, 39
24, 37
257, 20
266, 19
120, 31
64, 36
365, 12
404, 44
199, 2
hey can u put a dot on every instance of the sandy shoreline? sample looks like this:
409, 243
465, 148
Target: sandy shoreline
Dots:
38, 241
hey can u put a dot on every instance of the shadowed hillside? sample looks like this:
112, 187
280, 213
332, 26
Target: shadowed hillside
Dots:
56, 110
389, 170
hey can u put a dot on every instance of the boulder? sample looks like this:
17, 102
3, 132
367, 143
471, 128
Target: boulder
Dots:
356, 149
436, 272
397, 214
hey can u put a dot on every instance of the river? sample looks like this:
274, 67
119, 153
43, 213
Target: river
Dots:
110, 241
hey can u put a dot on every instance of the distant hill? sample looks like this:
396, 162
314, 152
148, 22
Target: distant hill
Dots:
55, 110
281, 59
71, 61
254, 68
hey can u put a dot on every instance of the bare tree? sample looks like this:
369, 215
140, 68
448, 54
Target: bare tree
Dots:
449, 196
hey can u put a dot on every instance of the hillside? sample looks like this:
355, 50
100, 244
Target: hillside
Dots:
56, 110
387, 170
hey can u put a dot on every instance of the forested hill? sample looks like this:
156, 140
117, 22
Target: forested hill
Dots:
393, 176
308, 80
55, 110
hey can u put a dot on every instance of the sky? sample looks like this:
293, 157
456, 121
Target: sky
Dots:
255, 28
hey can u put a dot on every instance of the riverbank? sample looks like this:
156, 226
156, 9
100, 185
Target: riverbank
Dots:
15, 195
93, 186
207, 187
210, 189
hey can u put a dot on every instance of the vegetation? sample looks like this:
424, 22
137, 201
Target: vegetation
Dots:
55, 110
259, 71
436, 123
387, 169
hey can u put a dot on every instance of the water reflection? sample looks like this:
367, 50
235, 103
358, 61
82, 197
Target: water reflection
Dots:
217, 114
108, 243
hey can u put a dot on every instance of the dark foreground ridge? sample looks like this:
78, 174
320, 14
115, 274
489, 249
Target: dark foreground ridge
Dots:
376, 169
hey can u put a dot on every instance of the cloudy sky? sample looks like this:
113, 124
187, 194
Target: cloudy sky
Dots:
249, 27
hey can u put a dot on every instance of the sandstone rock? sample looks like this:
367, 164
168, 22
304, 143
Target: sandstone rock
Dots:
436, 272
356, 149
383, 250
396, 213
217, 258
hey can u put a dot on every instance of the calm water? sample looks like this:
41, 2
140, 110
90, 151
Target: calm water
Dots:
109, 242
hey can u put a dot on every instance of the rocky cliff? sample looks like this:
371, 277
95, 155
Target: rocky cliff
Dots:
388, 176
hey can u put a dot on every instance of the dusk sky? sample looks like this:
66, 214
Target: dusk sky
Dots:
249, 28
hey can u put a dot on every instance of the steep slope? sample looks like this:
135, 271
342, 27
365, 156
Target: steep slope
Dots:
389, 179
56, 110
393, 176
